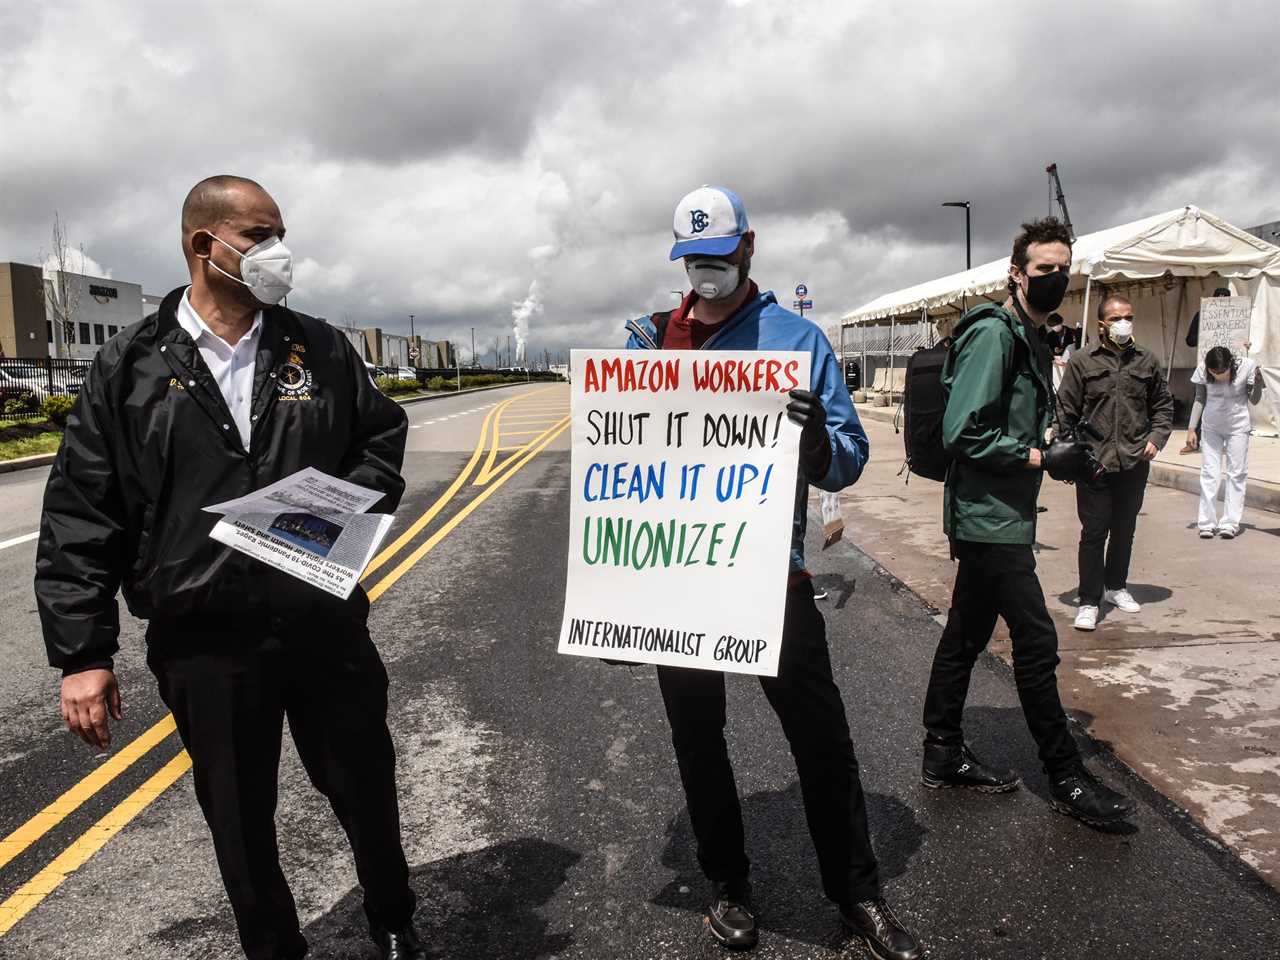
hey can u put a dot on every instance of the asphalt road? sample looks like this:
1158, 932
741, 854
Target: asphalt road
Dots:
542, 809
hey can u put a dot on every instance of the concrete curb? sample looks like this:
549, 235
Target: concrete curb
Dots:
1259, 494
458, 393
24, 463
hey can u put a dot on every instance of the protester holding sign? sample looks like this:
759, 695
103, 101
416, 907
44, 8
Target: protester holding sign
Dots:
219, 393
725, 311
1225, 386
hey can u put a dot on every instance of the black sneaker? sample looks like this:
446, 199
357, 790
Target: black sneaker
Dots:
946, 766
402, 944
730, 918
1081, 795
883, 933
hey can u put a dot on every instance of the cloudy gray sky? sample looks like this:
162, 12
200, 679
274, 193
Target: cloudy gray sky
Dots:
442, 158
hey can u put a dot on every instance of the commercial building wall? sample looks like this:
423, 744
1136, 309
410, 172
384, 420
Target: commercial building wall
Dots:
103, 308
22, 319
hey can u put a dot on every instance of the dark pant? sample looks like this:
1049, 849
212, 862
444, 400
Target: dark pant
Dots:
1108, 513
998, 579
230, 688
807, 702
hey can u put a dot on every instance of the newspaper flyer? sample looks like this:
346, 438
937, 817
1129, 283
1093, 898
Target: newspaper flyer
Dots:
309, 525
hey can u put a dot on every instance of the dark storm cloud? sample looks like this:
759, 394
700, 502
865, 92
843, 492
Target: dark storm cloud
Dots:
438, 158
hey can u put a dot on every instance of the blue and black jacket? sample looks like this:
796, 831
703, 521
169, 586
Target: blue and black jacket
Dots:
763, 325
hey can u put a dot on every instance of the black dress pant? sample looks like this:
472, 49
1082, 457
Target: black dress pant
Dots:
998, 579
1108, 513
230, 686
807, 702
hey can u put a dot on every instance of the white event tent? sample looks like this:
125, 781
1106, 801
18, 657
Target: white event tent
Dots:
1164, 264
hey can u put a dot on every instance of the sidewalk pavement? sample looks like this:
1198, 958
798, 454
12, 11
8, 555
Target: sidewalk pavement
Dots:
1187, 692
1172, 469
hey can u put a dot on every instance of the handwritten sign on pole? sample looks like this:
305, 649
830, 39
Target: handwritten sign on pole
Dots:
681, 501
1224, 322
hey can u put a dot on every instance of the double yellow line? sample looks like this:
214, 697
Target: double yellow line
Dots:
491, 476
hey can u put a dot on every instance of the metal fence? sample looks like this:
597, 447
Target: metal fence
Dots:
875, 347
26, 384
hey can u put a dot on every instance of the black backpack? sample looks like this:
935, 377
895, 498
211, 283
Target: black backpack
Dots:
923, 405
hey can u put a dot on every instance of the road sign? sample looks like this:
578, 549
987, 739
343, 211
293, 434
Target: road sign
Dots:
803, 304
801, 291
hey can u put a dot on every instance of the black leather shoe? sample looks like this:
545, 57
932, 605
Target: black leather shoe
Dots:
730, 918
951, 766
402, 944
883, 933
1081, 795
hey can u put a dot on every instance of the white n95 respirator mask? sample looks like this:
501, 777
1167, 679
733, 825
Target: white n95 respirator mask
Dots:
266, 269
711, 277
1121, 332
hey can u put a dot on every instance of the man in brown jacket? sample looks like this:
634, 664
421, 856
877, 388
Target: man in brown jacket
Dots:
1116, 386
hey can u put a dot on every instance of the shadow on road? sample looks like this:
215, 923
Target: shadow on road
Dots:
479, 904
785, 883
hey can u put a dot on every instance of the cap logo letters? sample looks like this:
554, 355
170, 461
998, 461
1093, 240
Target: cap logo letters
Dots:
699, 220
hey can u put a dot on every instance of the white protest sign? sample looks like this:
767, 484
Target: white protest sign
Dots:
1224, 322
681, 503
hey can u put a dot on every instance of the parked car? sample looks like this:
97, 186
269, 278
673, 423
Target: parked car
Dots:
404, 373
27, 383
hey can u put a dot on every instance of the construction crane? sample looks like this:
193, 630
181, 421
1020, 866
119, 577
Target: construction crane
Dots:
1056, 184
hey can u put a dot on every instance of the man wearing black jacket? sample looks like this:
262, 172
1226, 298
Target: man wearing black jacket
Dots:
219, 393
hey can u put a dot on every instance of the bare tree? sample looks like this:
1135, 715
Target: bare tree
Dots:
62, 294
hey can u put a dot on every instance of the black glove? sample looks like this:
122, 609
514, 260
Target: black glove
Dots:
1067, 460
806, 410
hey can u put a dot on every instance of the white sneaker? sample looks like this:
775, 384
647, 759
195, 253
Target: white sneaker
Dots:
1122, 599
1227, 533
1206, 533
1087, 618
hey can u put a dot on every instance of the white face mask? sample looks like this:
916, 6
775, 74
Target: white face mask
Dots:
712, 278
1121, 331
266, 269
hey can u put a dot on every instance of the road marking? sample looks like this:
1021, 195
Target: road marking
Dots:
25, 538
414, 528
417, 526
381, 587
28, 896
69, 802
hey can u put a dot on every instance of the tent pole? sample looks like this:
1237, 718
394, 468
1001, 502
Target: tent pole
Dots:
1177, 318
1084, 313
893, 327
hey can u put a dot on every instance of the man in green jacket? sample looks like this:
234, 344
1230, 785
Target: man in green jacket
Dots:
996, 380
1119, 388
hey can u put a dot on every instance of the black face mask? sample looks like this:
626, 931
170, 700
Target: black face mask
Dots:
1046, 290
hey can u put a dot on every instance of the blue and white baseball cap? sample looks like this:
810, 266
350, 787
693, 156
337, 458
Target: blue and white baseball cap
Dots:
710, 221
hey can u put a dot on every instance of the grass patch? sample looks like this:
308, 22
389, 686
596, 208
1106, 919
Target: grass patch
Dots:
29, 446
41, 422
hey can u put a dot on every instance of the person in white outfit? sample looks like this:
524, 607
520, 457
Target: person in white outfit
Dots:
1219, 427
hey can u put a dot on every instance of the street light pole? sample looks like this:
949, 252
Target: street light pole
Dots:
473, 347
968, 238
